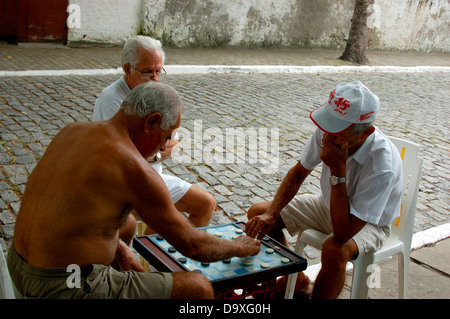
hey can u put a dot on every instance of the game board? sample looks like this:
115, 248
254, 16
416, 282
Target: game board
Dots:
273, 259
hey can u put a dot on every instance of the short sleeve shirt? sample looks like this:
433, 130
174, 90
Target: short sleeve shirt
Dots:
374, 177
109, 101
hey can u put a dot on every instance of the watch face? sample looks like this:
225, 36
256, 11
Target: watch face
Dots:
333, 180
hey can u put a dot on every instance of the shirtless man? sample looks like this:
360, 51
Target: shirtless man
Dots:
142, 61
81, 193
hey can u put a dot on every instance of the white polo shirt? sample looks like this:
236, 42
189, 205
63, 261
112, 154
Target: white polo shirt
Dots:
374, 177
109, 101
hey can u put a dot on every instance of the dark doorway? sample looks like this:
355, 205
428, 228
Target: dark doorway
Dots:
33, 21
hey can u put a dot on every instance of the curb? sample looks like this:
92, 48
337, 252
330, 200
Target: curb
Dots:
241, 69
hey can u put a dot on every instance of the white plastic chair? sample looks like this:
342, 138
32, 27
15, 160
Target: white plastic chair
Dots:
401, 230
6, 287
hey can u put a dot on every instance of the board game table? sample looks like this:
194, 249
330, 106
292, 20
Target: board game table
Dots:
233, 278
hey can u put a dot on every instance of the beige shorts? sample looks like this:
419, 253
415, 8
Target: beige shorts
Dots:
309, 212
96, 282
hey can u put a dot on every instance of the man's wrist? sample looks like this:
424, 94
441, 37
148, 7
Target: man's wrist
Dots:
336, 180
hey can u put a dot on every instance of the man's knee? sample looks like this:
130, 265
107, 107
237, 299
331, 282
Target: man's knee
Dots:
257, 209
191, 285
337, 253
210, 203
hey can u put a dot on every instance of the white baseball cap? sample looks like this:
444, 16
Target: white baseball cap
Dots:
349, 103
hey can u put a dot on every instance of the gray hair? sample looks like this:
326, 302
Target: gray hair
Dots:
358, 128
153, 97
131, 46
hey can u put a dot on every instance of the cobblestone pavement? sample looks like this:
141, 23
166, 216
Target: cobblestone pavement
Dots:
413, 106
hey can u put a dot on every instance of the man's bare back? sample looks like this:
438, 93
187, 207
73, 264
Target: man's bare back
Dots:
82, 190
80, 200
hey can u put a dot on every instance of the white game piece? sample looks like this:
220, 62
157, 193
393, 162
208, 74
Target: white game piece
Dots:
269, 250
264, 265
239, 231
284, 260
218, 234
248, 262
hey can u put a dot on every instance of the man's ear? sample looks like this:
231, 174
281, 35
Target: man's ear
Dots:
127, 68
369, 131
152, 120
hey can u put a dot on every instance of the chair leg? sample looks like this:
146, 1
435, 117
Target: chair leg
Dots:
403, 270
360, 287
292, 278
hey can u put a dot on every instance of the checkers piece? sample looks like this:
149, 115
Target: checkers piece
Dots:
239, 230
247, 262
269, 250
182, 260
159, 237
285, 260
205, 264
227, 261
218, 234
172, 250
264, 265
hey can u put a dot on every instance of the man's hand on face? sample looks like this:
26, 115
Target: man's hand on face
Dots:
334, 151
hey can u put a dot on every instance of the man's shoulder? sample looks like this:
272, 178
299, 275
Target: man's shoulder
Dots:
109, 100
384, 152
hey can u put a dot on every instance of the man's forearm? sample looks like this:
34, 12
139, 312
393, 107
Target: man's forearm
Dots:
288, 188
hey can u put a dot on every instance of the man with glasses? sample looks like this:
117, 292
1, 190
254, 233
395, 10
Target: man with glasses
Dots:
142, 61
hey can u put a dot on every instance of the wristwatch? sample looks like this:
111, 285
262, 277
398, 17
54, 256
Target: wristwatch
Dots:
334, 180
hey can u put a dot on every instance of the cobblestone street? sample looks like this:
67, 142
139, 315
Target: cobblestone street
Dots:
413, 106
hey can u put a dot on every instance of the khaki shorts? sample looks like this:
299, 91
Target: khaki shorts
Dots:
309, 212
96, 282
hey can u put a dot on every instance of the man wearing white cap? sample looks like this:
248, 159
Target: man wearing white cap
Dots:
361, 184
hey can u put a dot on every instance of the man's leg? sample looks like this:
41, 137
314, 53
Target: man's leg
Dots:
303, 282
199, 204
331, 278
191, 285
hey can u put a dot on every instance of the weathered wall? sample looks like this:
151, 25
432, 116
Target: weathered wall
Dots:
248, 22
415, 25
106, 22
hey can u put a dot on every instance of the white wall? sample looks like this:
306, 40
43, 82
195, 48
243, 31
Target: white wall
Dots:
106, 22
415, 25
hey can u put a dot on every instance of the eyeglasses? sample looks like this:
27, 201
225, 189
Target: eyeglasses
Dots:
158, 74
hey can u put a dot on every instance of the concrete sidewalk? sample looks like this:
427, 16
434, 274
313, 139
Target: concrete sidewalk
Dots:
429, 275
58, 57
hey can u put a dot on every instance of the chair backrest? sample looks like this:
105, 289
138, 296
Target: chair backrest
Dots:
402, 227
6, 288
